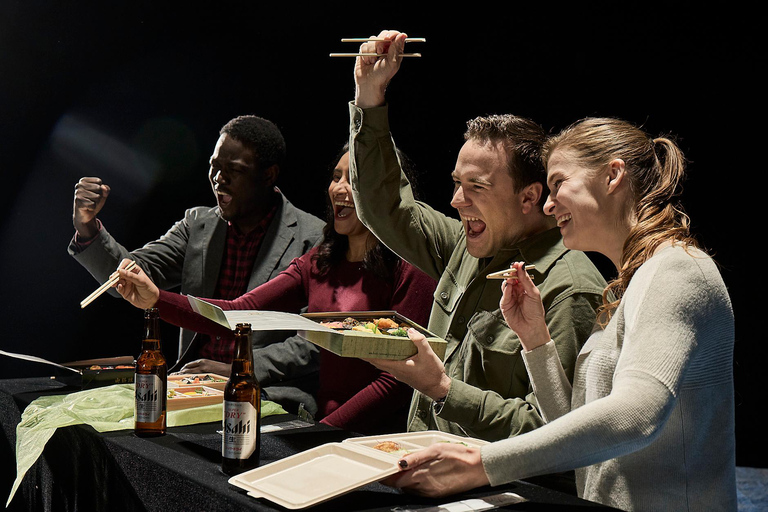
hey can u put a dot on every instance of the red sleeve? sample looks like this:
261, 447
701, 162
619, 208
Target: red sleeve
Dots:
285, 292
80, 244
373, 406
376, 403
175, 309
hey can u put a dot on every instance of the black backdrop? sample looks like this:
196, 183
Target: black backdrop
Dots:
135, 93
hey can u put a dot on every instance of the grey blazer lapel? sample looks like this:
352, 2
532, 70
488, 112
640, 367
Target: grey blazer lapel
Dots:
279, 236
213, 237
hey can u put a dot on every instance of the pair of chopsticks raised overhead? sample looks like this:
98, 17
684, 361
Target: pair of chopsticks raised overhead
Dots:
508, 273
366, 39
106, 286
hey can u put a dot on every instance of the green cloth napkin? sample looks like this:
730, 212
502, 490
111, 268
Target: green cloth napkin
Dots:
105, 409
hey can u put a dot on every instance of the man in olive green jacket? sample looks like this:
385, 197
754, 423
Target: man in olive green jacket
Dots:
481, 388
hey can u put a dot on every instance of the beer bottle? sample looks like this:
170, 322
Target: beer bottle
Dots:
241, 436
150, 380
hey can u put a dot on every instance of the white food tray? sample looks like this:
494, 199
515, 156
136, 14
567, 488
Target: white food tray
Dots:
316, 475
412, 441
330, 470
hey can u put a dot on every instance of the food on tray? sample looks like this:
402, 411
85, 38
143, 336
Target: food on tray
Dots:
197, 379
454, 442
375, 326
391, 447
108, 367
194, 392
388, 446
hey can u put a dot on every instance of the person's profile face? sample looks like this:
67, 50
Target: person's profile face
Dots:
574, 202
238, 184
485, 197
345, 220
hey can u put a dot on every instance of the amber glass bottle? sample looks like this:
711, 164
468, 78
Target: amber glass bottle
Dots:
151, 380
241, 424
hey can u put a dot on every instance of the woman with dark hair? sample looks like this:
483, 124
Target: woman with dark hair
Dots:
349, 271
648, 423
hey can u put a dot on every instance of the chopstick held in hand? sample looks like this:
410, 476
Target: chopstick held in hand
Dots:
113, 278
507, 273
375, 39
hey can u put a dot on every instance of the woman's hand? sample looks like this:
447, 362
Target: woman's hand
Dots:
522, 309
423, 371
136, 287
440, 470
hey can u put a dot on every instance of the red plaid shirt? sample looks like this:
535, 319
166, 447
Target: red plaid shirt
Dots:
236, 266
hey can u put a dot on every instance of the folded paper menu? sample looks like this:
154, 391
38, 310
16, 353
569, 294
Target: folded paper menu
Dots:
259, 320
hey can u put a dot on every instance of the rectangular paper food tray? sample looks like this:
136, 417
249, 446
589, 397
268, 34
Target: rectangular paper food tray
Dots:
174, 380
369, 345
316, 475
181, 401
412, 441
92, 373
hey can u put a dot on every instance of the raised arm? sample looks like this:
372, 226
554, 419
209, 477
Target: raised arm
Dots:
383, 195
372, 74
90, 195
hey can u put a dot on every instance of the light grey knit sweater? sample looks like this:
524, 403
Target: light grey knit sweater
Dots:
650, 418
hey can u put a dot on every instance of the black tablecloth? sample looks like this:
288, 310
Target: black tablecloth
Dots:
82, 469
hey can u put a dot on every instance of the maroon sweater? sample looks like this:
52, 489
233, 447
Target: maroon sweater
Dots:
353, 394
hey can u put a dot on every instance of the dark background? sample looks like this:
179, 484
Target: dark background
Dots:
135, 93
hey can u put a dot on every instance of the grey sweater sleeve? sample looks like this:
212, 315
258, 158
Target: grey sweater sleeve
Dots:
656, 342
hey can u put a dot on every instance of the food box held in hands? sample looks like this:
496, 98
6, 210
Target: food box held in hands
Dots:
368, 334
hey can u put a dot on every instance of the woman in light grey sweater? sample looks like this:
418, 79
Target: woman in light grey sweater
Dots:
649, 421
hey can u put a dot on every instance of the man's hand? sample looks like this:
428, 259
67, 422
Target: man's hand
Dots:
372, 74
90, 196
207, 366
136, 287
423, 371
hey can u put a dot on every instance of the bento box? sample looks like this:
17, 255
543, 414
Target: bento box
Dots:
93, 373
186, 397
368, 334
332, 469
315, 475
210, 380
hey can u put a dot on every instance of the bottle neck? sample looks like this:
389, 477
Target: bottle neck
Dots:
242, 362
150, 345
151, 339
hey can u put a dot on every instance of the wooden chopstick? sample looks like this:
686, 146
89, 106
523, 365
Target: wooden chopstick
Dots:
366, 39
106, 286
508, 273
372, 55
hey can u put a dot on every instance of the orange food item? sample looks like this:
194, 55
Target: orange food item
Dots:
386, 323
388, 446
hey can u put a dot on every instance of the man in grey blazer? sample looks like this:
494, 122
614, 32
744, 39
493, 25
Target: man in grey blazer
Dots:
210, 251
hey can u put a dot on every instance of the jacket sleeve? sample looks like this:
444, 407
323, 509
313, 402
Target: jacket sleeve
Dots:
162, 260
385, 200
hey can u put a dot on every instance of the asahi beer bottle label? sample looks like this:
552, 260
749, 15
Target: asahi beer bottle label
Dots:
149, 398
239, 433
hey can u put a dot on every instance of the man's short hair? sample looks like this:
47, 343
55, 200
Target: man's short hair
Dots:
523, 140
261, 135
